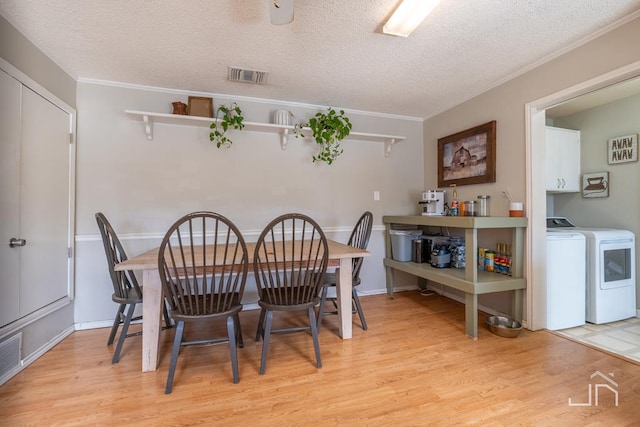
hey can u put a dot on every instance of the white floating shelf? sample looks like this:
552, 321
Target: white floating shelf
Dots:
283, 130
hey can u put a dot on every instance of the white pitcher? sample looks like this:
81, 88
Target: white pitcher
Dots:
282, 117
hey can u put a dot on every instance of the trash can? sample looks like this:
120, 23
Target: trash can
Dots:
401, 243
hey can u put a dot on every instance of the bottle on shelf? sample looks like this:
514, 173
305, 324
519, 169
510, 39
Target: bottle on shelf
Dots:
498, 259
455, 206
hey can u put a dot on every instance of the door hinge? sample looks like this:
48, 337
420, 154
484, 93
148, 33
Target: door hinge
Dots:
69, 252
70, 138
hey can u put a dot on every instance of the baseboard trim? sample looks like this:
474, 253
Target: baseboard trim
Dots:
36, 354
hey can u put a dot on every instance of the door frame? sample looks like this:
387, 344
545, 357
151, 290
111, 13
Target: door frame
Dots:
46, 94
535, 121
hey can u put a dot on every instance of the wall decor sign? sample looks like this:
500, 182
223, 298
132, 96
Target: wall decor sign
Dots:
468, 157
623, 149
595, 184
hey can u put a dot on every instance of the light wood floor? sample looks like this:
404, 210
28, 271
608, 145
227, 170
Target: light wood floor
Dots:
414, 366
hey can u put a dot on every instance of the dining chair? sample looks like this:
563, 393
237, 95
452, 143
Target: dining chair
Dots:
126, 290
359, 239
203, 264
289, 260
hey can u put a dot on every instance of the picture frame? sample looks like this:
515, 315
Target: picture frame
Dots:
595, 184
622, 149
200, 106
468, 157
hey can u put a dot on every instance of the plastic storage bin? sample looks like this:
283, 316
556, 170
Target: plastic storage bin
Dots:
401, 243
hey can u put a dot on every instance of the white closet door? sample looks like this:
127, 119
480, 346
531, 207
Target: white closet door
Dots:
9, 197
44, 202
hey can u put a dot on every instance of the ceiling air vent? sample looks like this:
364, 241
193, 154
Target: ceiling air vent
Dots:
247, 76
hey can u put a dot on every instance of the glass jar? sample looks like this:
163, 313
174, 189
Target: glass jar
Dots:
458, 255
483, 206
470, 208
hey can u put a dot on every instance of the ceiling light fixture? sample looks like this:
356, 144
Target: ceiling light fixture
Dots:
281, 11
408, 16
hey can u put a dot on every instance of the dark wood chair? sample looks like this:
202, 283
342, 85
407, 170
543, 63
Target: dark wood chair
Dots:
203, 265
290, 259
359, 239
126, 291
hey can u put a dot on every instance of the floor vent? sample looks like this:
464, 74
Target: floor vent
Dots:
247, 76
10, 354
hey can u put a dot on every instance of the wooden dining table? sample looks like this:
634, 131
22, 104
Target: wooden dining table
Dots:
340, 256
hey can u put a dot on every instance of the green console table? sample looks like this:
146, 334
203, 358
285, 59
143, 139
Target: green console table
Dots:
470, 280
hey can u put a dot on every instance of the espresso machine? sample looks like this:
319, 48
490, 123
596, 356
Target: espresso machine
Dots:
432, 202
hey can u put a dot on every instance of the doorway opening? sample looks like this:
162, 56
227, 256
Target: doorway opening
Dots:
536, 198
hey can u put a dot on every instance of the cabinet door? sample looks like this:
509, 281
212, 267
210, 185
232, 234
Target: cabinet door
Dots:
44, 202
562, 160
35, 192
570, 160
9, 197
552, 162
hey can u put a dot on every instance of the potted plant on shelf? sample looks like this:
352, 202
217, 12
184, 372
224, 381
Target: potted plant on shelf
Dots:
327, 129
229, 116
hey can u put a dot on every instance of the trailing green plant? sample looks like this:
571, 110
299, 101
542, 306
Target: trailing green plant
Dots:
230, 116
327, 129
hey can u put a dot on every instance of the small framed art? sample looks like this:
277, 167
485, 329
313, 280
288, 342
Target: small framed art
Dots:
200, 106
595, 184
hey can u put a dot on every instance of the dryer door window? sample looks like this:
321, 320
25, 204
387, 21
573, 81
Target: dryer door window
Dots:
617, 268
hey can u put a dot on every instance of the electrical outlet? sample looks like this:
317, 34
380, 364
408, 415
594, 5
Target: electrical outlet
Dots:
376, 195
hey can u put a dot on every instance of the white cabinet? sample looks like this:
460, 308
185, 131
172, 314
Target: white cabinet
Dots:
562, 160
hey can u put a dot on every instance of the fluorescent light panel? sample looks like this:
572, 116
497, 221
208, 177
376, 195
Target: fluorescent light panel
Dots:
408, 16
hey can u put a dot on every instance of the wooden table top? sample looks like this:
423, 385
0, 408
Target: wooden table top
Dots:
149, 260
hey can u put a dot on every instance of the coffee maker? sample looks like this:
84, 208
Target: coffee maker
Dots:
433, 202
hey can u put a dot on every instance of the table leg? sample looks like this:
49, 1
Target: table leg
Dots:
343, 292
471, 315
151, 311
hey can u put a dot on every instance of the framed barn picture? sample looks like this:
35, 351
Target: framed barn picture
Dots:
468, 157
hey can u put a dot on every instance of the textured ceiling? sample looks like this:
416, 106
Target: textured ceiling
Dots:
333, 53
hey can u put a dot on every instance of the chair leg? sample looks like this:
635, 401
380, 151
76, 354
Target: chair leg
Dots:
231, 332
314, 333
238, 331
116, 323
356, 300
177, 341
265, 341
323, 300
165, 313
260, 330
123, 333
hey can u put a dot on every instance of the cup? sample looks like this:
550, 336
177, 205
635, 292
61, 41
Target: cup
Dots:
516, 209
281, 117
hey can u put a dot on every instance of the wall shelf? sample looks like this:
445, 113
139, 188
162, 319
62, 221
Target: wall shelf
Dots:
284, 131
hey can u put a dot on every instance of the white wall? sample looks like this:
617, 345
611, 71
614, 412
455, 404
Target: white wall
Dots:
144, 186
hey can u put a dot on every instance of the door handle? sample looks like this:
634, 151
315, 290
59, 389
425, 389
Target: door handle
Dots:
17, 242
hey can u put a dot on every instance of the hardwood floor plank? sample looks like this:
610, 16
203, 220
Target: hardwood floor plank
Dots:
414, 366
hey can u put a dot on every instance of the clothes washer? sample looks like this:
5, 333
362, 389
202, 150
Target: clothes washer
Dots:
566, 281
610, 271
